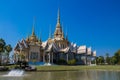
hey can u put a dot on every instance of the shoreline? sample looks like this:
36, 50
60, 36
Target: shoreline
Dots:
78, 68
74, 68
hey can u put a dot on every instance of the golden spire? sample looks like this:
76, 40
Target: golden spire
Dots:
33, 37
27, 39
62, 32
58, 30
33, 31
40, 37
62, 35
58, 18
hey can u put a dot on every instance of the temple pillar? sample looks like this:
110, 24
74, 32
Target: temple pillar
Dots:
43, 56
38, 56
49, 57
67, 57
0, 58
85, 59
52, 57
20, 55
29, 56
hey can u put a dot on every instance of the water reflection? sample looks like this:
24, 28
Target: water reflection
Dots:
68, 75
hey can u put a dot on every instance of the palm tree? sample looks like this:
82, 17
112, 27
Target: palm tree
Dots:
2, 48
8, 49
107, 59
100, 60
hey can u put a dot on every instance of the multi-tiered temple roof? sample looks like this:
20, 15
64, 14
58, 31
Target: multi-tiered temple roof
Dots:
55, 44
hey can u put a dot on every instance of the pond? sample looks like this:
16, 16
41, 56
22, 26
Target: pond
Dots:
67, 75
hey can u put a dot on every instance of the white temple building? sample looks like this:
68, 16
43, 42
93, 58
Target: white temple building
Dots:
57, 48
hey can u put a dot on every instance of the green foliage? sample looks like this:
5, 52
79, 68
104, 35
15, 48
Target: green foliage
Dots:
21, 57
22, 64
93, 61
2, 45
4, 49
117, 56
71, 62
100, 60
8, 48
108, 59
62, 62
61, 68
113, 60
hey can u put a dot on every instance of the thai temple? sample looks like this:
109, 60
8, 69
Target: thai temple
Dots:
57, 47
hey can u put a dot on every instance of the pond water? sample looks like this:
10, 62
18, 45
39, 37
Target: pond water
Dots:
67, 75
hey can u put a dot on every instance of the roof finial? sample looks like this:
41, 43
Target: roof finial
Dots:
58, 18
58, 30
50, 36
27, 38
33, 31
40, 37
66, 34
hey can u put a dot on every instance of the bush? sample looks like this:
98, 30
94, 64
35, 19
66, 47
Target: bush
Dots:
93, 62
62, 62
71, 62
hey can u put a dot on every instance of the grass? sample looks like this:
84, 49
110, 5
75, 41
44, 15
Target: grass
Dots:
76, 68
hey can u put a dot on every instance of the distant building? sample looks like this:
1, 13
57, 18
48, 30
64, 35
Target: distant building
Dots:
53, 50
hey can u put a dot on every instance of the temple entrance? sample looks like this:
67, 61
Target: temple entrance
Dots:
47, 58
34, 56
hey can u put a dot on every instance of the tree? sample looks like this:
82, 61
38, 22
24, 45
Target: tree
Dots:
100, 60
62, 62
117, 56
107, 58
8, 49
2, 46
113, 60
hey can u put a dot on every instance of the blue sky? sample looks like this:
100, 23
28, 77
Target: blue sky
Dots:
94, 23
